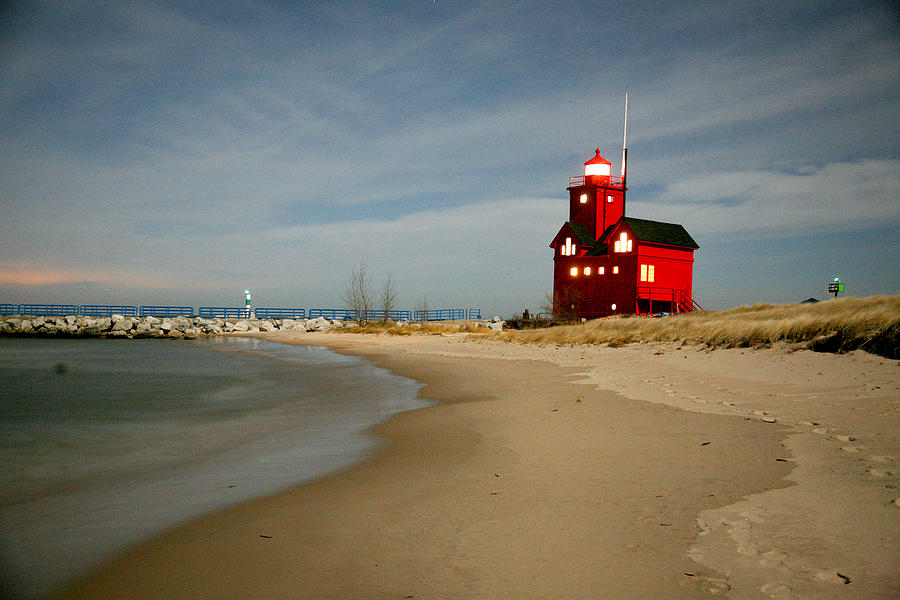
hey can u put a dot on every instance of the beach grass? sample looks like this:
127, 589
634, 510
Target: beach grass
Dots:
390, 328
841, 325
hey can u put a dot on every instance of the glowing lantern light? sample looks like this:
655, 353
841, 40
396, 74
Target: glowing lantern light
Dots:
597, 166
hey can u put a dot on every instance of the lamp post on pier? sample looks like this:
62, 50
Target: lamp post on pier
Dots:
836, 287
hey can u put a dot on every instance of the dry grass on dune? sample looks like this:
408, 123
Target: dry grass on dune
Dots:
871, 324
413, 328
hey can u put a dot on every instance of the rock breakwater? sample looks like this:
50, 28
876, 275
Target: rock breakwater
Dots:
151, 327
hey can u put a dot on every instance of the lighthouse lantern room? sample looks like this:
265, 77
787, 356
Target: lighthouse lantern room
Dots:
605, 263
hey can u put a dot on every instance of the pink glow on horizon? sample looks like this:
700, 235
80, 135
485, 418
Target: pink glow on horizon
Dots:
40, 276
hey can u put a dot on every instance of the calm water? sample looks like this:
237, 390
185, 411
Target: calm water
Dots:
104, 442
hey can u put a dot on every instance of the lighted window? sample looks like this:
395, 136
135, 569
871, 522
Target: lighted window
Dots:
569, 248
609, 198
587, 270
615, 270
583, 199
650, 273
573, 271
601, 270
613, 307
623, 244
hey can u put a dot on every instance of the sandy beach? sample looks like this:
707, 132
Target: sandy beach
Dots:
645, 471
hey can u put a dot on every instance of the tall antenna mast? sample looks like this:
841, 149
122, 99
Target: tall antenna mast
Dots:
624, 152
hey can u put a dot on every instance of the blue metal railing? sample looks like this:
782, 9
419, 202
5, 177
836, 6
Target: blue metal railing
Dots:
440, 314
223, 312
280, 313
47, 310
107, 310
167, 311
333, 313
393, 315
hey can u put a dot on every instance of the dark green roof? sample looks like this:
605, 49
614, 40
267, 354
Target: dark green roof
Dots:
582, 233
656, 232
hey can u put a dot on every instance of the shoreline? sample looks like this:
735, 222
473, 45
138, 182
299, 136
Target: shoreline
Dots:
530, 480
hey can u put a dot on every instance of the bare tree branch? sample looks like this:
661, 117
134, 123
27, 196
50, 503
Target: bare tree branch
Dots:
422, 308
358, 295
388, 296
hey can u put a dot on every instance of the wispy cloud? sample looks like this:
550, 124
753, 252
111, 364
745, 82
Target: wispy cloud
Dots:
201, 146
768, 204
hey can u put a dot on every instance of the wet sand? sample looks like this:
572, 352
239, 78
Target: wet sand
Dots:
573, 472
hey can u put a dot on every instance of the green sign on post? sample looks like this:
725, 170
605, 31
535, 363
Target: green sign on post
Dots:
836, 287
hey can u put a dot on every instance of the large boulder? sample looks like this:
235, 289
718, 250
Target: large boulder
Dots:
145, 325
182, 324
317, 324
12, 325
95, 326
294, 325
124, 324
495, 324
51, 328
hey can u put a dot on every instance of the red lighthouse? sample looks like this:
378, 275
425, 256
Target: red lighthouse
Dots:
605, 263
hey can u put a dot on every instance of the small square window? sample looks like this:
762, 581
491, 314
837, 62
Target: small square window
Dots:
583, 199
615, 270
601, 270
573, 271
587, 270
609, 198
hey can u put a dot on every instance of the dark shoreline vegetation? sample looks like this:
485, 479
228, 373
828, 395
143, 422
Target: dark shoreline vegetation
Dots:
871, 324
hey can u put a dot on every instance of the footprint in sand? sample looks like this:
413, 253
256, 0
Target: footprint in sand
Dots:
832, 577
882, 458
764, 416
716, 586
880, 473
778, 591
772, 558
845, 438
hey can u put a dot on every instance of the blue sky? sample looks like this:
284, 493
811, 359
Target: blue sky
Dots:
180, 152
